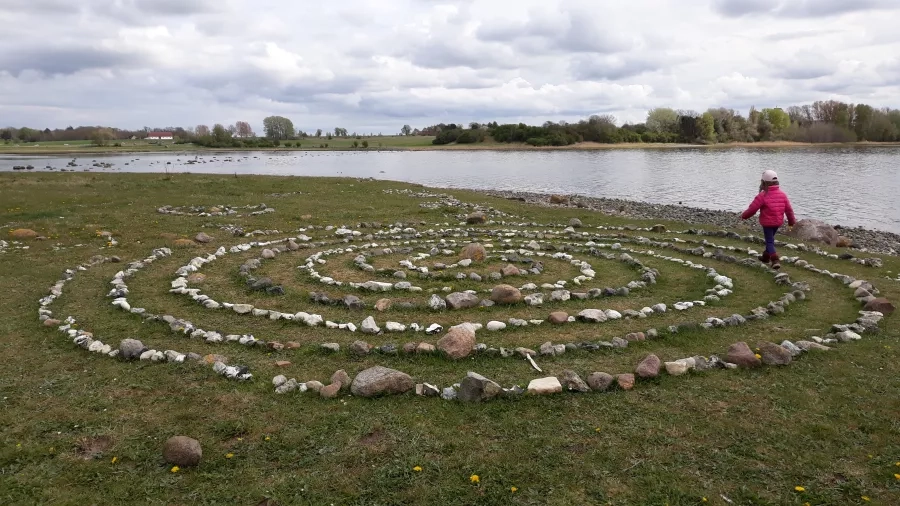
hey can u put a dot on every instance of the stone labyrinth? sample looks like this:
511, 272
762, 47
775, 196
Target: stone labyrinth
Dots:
470, 273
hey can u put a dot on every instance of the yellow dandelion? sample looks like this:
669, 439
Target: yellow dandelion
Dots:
229, 455
897, 463
897, 476
268, 438
806, 504
474, 478
703, 499
798, 488
18, 445
870, 455
865, 498
597, 429
114, 460
175, 469
513, 489
417, 469
758, 356
240, 439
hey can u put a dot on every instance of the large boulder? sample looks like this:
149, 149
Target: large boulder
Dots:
475, 388
131, 349
23, 233
741, 354
458, 343
462, 300
182, 451
815, 230
773, 354
476, 218
379, 380
474, 252
881, 305
559, 199
506, 294
649, 367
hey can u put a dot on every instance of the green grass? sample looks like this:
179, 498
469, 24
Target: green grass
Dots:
828, 422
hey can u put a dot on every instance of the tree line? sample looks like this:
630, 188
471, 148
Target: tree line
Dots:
822, 121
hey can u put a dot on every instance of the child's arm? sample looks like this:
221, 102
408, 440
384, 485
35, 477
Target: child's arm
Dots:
790, 212
754, 206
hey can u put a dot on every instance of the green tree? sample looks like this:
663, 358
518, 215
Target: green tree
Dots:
863, 119
365, 144
778, 120
278, 128
662, 119
406, 130
707, 127
102, 136
220, 133
318, 132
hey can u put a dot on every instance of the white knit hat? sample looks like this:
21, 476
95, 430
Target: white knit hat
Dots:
770, 176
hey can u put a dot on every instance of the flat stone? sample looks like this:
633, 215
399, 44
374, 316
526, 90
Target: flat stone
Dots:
495, 326
592, 316
809, 346
383, 304
332, 347
314, 386
544, 386
425, 348
331, 391
242, 308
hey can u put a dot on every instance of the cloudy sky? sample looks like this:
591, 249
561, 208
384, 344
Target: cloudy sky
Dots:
374, 65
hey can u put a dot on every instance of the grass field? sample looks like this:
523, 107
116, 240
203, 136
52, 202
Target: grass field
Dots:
82, 428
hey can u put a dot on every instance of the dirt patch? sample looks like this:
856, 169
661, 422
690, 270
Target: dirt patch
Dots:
92, 447
373, 438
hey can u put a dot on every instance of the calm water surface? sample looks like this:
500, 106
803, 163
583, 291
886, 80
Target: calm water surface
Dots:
848, 186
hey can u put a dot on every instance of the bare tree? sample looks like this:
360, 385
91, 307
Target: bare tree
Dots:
202, 131
243, 129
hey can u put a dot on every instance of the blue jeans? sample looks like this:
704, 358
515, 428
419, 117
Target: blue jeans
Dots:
769, 233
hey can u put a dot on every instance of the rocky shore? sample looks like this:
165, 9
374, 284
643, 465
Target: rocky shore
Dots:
876, 241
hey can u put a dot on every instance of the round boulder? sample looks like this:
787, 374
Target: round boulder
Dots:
379, 380
23, 233
815, 230
182, 451
506, 294
458, 343
474, 252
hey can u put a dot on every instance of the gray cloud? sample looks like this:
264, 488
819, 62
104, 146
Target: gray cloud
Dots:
63, 60
370, 65
798, 8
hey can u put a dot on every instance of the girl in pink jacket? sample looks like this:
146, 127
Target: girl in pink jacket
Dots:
772, 204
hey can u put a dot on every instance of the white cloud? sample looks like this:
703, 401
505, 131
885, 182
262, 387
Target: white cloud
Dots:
371, 66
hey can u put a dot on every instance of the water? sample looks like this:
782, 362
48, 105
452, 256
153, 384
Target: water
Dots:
847, 186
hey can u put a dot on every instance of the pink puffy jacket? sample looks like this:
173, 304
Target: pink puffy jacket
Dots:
772, 205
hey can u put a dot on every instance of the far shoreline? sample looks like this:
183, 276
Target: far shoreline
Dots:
519, 147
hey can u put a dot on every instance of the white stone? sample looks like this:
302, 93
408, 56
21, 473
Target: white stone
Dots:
394, 327
369, 326
612, 314
543, 386
242, 308
495, 326
676, 368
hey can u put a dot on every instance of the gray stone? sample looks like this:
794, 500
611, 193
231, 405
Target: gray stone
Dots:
182, 451
369, 326
462, 300
592, 316
572, 382
599, 381
353, 302
131, 349
437, 303
332, 347
379, 380
476, 388
649, 367
773, 354
360, 348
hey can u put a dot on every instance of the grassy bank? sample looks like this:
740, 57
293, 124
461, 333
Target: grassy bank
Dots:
393, 143
81, 428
